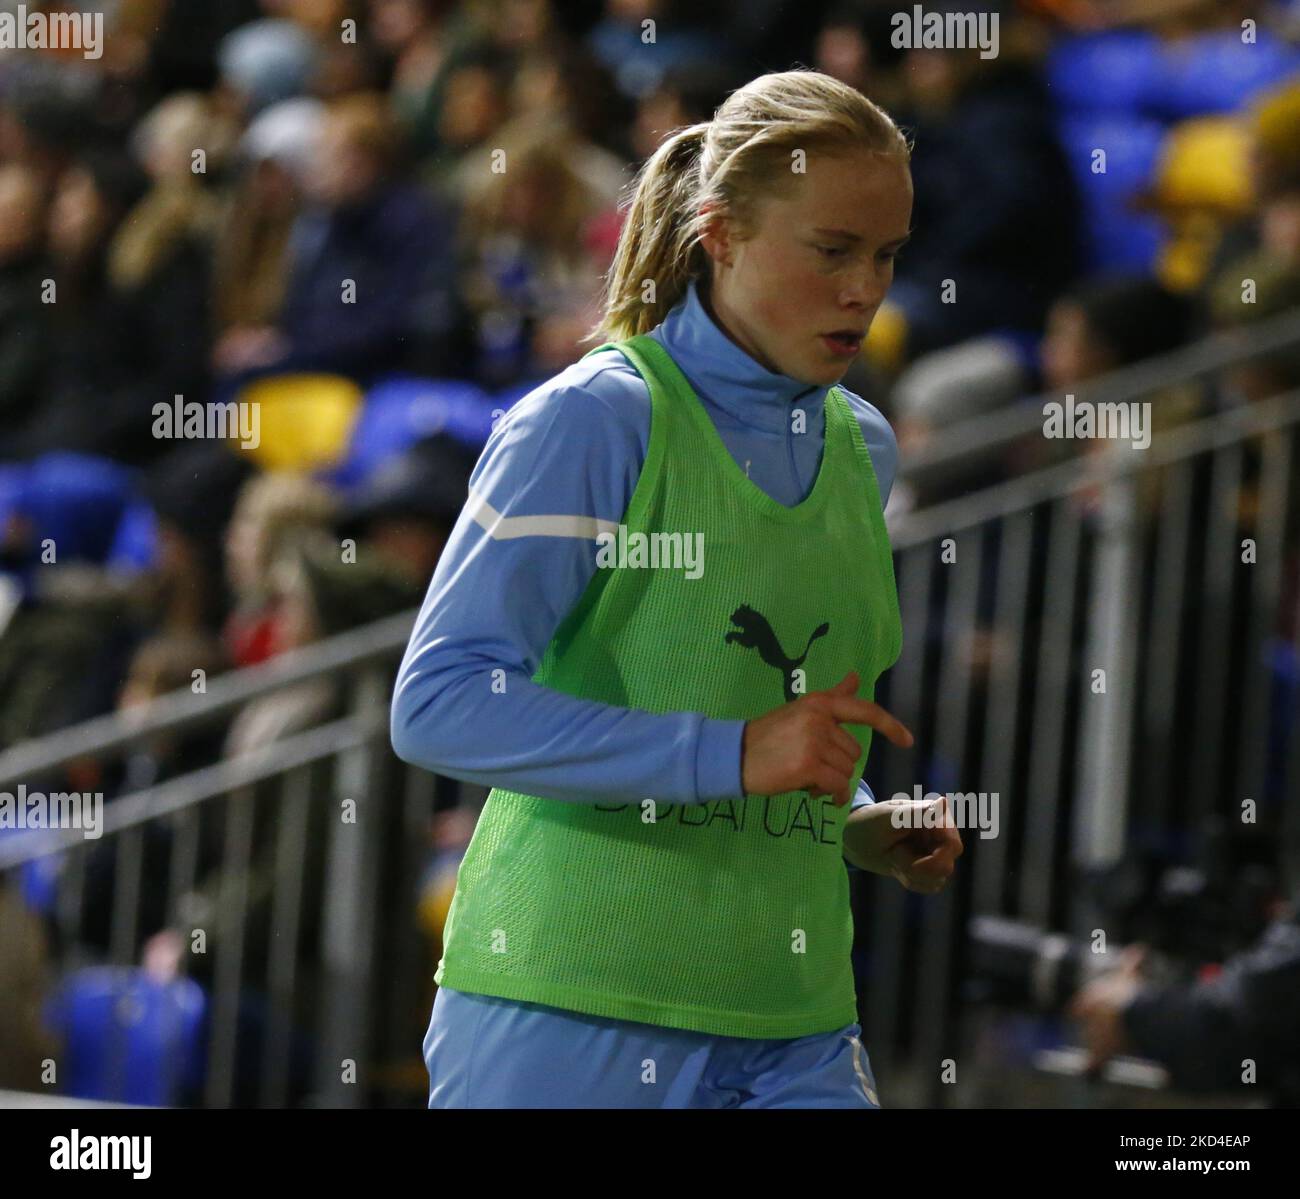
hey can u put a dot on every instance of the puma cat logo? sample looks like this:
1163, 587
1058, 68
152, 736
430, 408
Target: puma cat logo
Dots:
755, 633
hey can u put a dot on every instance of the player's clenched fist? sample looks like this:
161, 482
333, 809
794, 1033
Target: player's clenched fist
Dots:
801, 747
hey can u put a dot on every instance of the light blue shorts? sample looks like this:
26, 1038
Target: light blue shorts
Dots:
482, 1051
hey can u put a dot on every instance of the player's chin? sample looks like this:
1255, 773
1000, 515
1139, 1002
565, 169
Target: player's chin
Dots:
829, 371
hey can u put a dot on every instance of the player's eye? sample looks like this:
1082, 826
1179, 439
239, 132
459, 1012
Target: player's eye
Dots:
831, 251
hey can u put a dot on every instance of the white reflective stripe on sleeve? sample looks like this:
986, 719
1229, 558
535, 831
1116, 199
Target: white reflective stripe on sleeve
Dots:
502, 528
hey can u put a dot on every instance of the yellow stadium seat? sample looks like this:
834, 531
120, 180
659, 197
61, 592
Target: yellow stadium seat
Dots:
1202, 183
886, 341
305, 419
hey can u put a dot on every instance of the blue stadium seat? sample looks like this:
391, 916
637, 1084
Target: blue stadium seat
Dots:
399, 411
38, 878
1116, 238
129, 1038
1215, 72
76, 500
1103, 72
135, 544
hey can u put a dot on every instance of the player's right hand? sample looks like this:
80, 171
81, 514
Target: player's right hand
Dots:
801, 747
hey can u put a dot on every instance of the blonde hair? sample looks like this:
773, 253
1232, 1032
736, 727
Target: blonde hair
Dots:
742, 155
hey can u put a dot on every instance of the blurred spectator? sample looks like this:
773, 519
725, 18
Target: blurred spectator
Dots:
129, 326
638, 41
475, 104
273, 511
264, 62
193, 491
1264, 247
1107, 323
1102, 326
855, 43
559, 84
363, 257
996, 210
425, 39
25, 968
250, 259
1205, 1033
1200, 187
1255, 288
405, 512
23, 347
318, 594
92, 197
535, 245
684, 96
63, 649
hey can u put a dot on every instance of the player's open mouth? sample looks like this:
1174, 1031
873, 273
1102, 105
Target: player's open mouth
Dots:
844, 341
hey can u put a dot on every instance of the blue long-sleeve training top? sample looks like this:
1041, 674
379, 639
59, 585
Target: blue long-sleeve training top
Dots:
559, 468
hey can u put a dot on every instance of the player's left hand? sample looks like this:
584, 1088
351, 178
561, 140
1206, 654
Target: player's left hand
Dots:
921, 858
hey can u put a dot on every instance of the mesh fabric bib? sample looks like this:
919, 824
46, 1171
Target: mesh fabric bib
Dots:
731, 917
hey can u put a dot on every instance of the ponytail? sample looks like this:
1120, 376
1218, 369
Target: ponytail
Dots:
658, 250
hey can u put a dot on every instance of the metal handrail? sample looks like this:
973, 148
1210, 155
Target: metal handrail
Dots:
208, 782
1052, 482
182, 708
1227, 348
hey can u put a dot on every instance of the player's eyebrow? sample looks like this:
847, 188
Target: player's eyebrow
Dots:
846, 235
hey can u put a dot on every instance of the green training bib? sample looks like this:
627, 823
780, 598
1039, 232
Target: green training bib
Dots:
730, 917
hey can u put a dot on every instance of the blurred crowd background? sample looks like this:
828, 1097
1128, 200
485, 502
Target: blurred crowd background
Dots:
176, 218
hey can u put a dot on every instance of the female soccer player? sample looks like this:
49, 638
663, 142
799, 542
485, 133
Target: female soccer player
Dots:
656, 631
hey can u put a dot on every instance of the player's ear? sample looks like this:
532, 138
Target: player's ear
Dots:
716, 235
